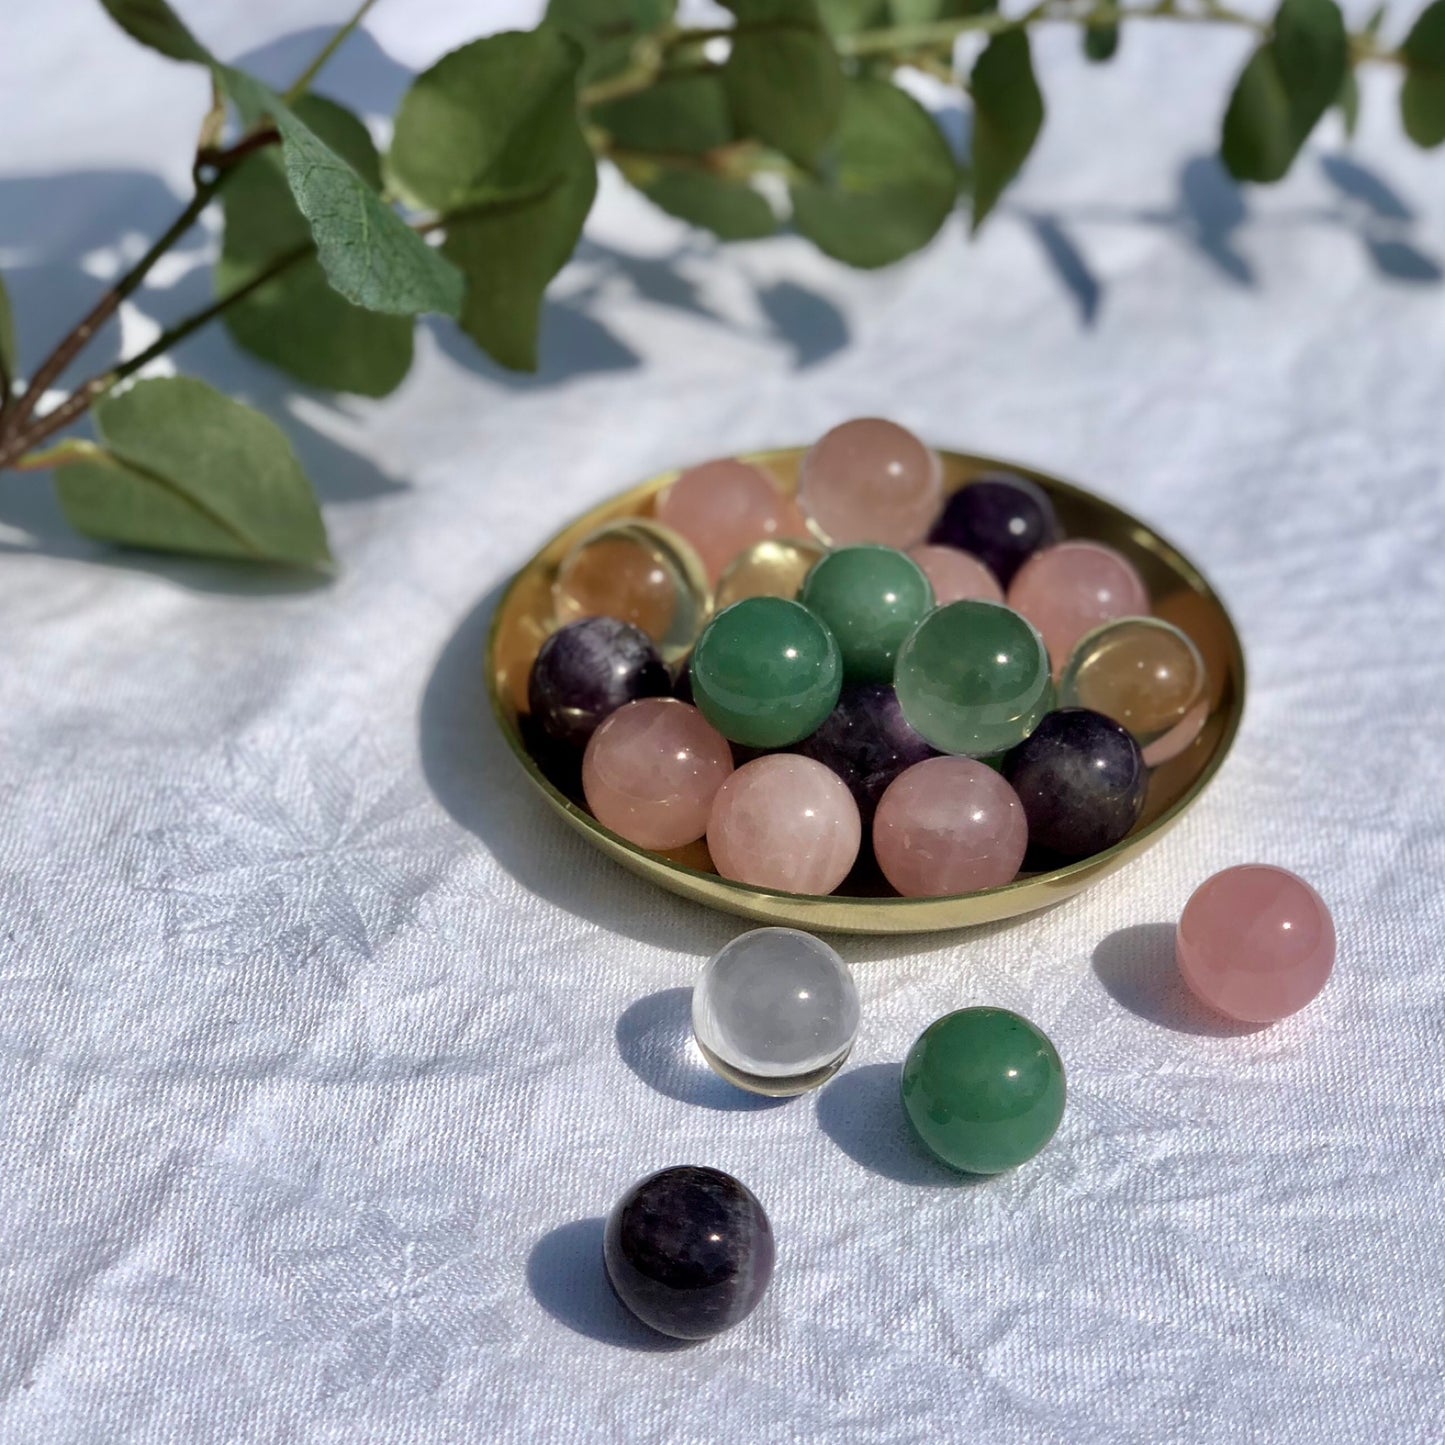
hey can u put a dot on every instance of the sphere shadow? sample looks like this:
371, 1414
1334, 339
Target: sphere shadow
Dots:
1137, 969
862, 1113
568, 1279
654, 1037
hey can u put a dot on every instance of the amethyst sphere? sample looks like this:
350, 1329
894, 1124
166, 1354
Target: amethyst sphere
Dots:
867, 742
1081, 779
586, 671
689, 1251
1001, 519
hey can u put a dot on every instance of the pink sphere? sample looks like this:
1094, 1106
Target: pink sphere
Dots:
1256, 943
947, 826
787, 823
871, 481
956, 575
724, 507
652, 770
1068, 590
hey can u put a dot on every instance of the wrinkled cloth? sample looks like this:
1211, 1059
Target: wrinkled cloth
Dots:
325, 1047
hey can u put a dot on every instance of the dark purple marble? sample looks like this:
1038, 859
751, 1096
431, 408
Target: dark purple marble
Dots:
867, 742
587, 670
1000, 518
689, 1251
1082, 781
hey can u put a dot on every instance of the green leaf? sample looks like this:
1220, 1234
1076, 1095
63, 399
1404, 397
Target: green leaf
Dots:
182, 468
1422, 97
607, 30
154, 23
783, 78
1288, 84
922, 12
369, 254
848, 17
491, 131
296, 321
889, 180
729, 209
1101, 42
1008, 113
9, 358
686, 114
1349, 104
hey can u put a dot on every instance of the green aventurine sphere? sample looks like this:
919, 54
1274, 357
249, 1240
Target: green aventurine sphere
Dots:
766, 672
984, 1089
973, 678
871, 598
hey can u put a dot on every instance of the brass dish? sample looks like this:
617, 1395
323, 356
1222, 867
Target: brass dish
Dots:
1180, 592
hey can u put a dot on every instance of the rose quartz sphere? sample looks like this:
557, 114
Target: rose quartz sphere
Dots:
871, 481
1068, 590
1256, 943
956, 575
723, 507
652, 770
787, 823
949, 825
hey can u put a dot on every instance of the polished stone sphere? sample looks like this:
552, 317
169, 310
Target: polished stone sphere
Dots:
871, 481
725, 506
870, 598
956, 576
689, 1251
589, 669
1000, 519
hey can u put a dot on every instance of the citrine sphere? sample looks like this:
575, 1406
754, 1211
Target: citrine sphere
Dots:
973, 678
775, 568
870, 598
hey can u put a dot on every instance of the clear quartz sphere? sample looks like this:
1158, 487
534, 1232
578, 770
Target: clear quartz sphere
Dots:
775, 1011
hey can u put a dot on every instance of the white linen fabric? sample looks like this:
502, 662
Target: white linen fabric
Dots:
324, 1047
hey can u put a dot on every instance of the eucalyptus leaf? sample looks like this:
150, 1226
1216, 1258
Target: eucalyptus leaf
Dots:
686, 114
607, 30
296, 321
182, 468
729, 209
1287, 85
848, 17
369, 254
783, 77
9, 357
1349, 104
1422, 96
1008, 113
155, 24
889, 179
1101, 42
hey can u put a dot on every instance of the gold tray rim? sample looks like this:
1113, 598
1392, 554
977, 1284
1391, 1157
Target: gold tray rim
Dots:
864, 915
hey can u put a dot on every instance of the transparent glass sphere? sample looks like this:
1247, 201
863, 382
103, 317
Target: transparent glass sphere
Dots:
775, 1011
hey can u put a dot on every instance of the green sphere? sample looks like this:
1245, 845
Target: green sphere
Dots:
766, 672
973, 678
871, 598
984, 1089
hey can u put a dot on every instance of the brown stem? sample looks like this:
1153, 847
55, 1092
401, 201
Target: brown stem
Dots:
222, 158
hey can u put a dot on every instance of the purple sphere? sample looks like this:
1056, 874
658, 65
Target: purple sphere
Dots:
867, 741
1001, 519
587, 670
1081, 779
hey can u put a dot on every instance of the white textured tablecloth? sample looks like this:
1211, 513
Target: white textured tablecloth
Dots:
324, 1047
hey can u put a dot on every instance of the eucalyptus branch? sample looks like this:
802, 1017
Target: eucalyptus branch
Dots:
305, 80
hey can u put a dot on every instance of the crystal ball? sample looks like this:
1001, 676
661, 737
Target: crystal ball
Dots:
1256, 943
947, 826
766, 672
689, 1251
999, 518
983, 1089
785, 823
1146, 674
775, 1011
867, 741
1068, 590
652, 770
641, 572
870, 598
973, 678
589, 669
956, 576
775, 568
724, 506
871, 481
1082, 782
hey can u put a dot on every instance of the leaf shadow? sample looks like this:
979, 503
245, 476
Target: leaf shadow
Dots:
360, 73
